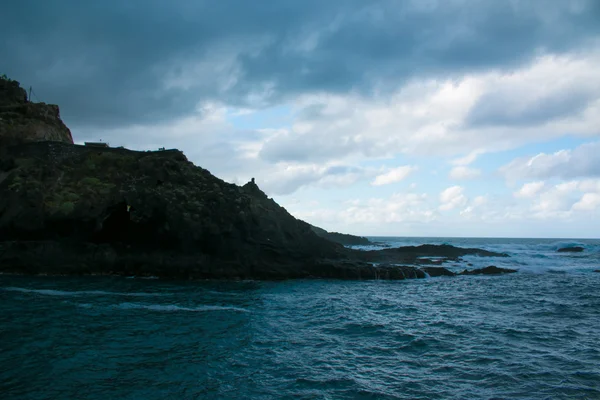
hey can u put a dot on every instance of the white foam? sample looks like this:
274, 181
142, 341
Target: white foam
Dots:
174, 308
50, 292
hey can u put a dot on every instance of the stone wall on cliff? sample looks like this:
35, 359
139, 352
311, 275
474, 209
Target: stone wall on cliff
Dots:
22, 121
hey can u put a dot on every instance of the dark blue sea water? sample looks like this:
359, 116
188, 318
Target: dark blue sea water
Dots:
530, 335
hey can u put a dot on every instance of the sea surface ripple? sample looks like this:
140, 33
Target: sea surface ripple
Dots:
520, 336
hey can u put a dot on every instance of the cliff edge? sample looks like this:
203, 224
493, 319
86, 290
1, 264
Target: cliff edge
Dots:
22, 121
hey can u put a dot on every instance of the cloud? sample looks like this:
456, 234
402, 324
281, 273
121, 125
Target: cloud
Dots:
282, 179
525, 97
530, 189
461, 172
431, 117
588, 202
564, 200
452, 197
403, 211
582, 161
561, 210
394, 175
466, 160
477, 208
142, 62
556, 202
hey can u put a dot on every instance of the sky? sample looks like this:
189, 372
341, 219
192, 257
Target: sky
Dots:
382, 117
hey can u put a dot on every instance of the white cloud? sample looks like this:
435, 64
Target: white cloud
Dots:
462, 172
473, 115
475, 207
399, 211
285, 178
562, 200
452, 197
583, 161
588, 202
394, 175
559, 210
530, 189
468, 159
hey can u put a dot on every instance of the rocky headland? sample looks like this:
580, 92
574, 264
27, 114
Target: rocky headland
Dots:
72, 209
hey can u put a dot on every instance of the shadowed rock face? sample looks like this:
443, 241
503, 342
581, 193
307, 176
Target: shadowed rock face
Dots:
151, 209
22, 121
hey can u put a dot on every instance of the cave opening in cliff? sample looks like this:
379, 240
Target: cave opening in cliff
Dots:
116, 226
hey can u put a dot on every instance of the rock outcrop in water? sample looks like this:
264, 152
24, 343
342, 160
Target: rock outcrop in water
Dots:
491, 270
69, 209
22, 121
426, 254
573, 249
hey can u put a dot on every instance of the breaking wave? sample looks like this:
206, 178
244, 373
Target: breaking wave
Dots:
65, 293
175, 308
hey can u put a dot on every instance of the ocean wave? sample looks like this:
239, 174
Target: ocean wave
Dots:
175, 308
63, 293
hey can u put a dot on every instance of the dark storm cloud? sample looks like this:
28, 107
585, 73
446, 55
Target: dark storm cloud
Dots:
106, 62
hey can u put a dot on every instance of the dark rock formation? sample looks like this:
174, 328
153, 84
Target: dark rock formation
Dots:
155, 211
491, 270
22, 121
341, 238
574, 249
74, 209
437, 271
426, 254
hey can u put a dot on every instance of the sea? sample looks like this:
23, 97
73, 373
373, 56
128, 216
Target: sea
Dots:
534, 334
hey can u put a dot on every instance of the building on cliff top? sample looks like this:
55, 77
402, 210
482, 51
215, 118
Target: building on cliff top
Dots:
95, 144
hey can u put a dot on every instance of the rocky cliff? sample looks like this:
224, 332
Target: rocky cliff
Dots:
22, 121
144, 212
